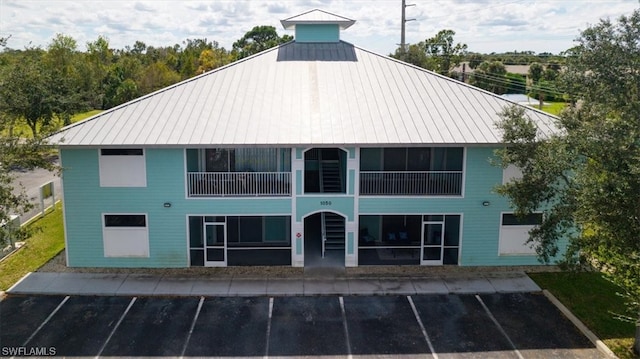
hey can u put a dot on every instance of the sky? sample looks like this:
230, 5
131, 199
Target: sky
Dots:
484, 25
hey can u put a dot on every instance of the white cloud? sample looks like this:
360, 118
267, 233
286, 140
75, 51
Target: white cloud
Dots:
485, 26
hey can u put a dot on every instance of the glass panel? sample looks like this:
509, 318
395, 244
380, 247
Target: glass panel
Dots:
197, 257
233, 230
434, 218
532, 219
125, 220
214, 219
196, 237
450, 256
455, 158
370, 159
395, 159
217, 160
215, 255
418, 159
432, 234
277, 229
432, 253
250, 229
193, 160
452, 230
121, 152
214, 235
285, 161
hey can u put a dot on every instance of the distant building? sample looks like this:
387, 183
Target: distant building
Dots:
310, 152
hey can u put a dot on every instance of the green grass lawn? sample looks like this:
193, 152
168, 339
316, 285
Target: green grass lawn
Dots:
595, 301
46, 242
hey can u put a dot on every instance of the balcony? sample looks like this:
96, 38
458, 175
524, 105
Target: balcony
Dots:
426, 183
238, 184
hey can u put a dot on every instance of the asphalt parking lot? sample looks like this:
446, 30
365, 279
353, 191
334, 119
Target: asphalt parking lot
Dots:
517, 325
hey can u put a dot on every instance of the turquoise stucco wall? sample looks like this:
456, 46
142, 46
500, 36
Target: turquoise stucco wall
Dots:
85, 202
317, 33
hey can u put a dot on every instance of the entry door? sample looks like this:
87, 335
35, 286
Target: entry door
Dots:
215, 245
432, 243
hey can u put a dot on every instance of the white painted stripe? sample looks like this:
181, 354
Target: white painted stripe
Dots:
424, 331
346, 328
133, 300
46, 320
266, 351
193, 324
495, 321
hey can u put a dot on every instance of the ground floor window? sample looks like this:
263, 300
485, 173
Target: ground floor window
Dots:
239, 240
514, 233
409, 239
125, 235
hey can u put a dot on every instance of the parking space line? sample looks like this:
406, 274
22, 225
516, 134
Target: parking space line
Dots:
46, 321
193, 325
424, 330
266, 351
133, 300
346, 328
495, 321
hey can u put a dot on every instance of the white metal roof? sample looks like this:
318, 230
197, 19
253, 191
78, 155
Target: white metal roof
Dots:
316, 16
322, 94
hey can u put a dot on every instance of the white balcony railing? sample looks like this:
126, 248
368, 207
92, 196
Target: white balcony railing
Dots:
435, 183
221, 184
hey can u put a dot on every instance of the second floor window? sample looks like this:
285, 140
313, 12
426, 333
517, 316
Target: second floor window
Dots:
418, 159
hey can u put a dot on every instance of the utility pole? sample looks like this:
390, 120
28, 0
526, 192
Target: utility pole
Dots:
403, 22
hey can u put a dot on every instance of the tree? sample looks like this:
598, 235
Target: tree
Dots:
62, 62
516, 84
258, 39
157, 76
213, 58
586, 177
26, 153
446, 55
414, 54
491, 77
26, 91
535, 72
475, 60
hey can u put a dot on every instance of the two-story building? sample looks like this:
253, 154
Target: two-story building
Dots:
313, 151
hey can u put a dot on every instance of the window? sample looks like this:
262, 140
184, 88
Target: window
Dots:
239, 160
122, 167
514, 233
125, 235
412, 159
259, 231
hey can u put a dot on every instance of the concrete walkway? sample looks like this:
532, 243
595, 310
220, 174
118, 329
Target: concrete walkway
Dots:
148, 285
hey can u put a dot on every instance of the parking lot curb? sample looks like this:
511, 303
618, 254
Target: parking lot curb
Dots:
602, 347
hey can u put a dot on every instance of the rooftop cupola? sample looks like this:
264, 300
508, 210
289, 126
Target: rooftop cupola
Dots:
317, 26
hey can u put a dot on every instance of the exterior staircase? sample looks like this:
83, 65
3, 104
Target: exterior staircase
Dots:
331, 178
333, 232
